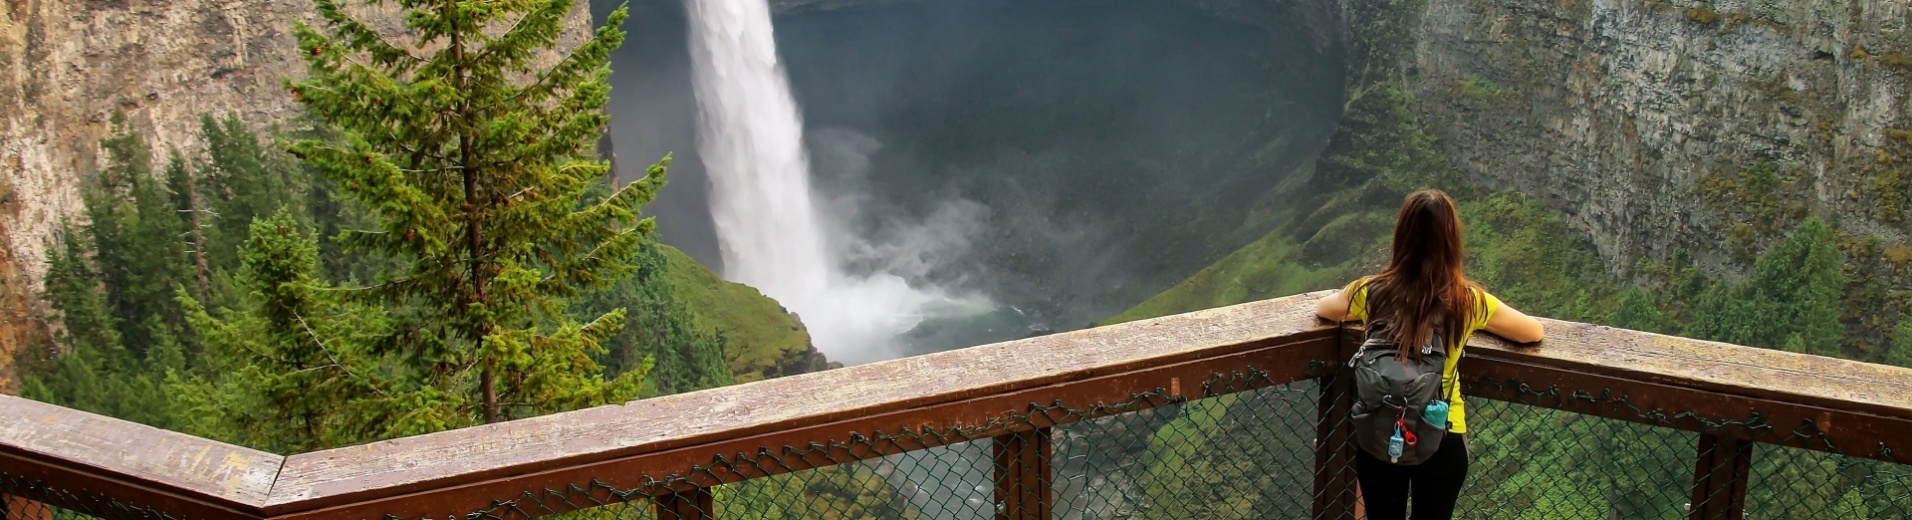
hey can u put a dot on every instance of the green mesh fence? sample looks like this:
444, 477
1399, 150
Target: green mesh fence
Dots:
1239, 447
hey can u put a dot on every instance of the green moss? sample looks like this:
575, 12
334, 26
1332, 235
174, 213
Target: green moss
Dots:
1890, 181
1903, 61
1889, 185
1776, 88
1702, 15
760, 337
1478, 87
1894, 59
1758, 201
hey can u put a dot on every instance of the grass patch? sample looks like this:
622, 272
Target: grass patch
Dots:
1477, 87
1266, 268
760, 337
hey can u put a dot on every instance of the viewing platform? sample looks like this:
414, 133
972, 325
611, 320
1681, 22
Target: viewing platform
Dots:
1218, 414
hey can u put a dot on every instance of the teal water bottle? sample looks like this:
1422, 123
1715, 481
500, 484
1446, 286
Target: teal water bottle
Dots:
1435, 414
1395, 445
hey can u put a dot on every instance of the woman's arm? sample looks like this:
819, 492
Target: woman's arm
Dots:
1334, 307
1510, 323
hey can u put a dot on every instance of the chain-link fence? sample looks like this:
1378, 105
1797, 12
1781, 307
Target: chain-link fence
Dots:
1249, 451
23, 498
1240, 447
1245, 451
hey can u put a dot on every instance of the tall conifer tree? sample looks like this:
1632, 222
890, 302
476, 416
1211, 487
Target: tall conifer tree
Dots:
475, 159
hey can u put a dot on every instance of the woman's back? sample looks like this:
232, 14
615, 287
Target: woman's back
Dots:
1423, 295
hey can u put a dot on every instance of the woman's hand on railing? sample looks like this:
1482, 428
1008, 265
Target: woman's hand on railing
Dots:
1515, 326
1334, 307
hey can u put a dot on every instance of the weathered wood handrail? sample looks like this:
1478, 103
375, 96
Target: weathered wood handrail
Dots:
1858, 406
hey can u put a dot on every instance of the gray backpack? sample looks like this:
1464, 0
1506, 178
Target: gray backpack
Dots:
1400, 408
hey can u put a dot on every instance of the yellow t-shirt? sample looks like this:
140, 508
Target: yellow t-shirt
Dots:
1457, 409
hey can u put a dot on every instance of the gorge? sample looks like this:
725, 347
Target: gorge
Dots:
911, 176
1637, 123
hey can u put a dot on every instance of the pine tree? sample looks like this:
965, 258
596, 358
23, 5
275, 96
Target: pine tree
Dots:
184, 185
242, 181
475, 160
1639, 311
105, 282
1900, 351
138, 245
292, 371
1796, 287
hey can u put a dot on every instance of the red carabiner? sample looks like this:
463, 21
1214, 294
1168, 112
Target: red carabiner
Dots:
1406, 434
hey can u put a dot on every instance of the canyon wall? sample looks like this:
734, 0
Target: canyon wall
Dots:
1656, 126
68, 66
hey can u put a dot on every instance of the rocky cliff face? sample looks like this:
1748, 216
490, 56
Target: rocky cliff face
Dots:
1662, 125
67, 66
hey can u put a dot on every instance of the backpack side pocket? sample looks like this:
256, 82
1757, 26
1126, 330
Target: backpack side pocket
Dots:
1429, 437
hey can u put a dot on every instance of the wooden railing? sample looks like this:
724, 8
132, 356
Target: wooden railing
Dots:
663, 449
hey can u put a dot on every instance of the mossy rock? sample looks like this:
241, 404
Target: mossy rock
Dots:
1369, 196
761, 339
1346, 238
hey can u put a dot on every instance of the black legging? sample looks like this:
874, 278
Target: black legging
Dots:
1436, 483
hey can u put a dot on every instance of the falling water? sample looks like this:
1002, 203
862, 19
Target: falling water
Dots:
771, 233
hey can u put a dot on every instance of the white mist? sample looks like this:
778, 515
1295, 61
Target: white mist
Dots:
769, 229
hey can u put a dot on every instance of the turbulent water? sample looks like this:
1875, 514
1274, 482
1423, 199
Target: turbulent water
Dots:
770, 231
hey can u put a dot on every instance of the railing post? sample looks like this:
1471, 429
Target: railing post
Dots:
688, 505
1719, 480
1334, 486
1023, 476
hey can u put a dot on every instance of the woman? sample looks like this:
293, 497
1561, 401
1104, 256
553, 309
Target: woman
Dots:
1423, 291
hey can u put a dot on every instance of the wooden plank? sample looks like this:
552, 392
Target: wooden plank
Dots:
1719, 478
1283, 363
406, 465
1845, 431
1730, 369
86, 490
220, 474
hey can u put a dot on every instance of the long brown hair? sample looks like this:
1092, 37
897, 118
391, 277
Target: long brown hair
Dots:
1423, 288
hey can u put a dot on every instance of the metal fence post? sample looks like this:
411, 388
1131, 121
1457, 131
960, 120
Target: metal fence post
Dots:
1334, 485
688, 505
1719, 479
1023, 476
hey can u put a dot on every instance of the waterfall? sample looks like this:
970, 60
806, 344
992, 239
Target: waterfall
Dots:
769, 228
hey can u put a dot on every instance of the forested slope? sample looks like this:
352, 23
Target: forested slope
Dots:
144, 314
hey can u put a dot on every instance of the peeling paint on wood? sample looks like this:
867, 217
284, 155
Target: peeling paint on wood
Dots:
91, 443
